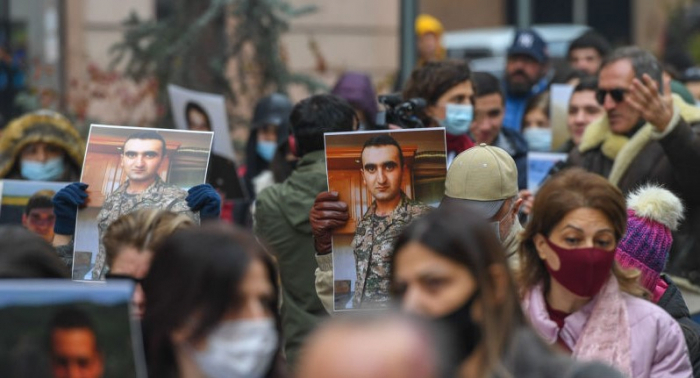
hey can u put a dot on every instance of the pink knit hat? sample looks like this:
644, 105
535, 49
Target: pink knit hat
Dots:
652, 213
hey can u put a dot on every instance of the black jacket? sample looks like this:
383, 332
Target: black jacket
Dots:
673, 303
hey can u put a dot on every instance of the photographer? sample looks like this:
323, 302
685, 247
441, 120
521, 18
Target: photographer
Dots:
447, 90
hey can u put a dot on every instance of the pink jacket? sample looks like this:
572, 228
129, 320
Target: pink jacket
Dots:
657, 345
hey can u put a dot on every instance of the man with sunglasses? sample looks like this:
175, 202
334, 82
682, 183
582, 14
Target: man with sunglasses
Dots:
647, 135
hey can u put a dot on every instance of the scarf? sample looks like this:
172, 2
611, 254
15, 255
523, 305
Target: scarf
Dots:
606, 335
458, 143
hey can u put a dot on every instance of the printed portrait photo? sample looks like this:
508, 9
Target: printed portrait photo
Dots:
29, 203
132, 168
201, 111
65, 329
387, 179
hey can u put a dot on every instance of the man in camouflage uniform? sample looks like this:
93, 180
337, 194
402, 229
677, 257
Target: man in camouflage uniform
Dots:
390, 212
142, 155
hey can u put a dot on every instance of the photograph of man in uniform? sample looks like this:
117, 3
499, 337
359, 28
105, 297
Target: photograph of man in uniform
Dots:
74, 348
141, 157
390, 212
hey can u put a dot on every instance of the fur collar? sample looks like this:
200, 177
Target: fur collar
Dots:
624, 150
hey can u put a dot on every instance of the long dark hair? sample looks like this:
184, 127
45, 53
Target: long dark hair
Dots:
198, 270
460, 234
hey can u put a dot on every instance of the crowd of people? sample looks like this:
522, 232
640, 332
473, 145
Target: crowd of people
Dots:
575, 280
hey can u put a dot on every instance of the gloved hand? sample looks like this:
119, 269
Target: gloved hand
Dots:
206, 200
327, 214
65, 207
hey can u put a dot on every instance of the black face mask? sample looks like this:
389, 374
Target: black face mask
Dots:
465, 333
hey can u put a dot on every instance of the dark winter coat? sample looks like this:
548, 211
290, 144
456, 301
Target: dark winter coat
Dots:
673, 303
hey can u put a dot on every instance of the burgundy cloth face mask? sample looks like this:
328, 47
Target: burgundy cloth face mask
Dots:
582, 271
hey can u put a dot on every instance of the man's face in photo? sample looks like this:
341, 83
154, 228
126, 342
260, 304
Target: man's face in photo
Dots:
74, 354
40, 221
141, 159
382, 172
197, 121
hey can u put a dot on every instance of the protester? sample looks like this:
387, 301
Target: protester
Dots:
41, 146
647, 135
586, 53
527, 74
38, 215
23, 254
583, 110
212, 306
388, 346
357, 89
537, 128
487, 127
447, 90
449, 267
652, 213
129, 243
576, 296
269, 131
282, 215
429, 33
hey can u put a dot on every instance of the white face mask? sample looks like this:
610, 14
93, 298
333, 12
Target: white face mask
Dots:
239, 348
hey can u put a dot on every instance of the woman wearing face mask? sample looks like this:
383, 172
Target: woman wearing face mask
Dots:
212, 307
448, 266
130, 242
537, 129
574, 293
269, 135
447, 89
41, 146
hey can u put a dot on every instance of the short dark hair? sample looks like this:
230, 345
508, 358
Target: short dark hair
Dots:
24, 254
145, 135
486, 84
643, 62
319, 114
382, 140
434, 79
590, 40
191, 105
588, 83
39, 200
71, 317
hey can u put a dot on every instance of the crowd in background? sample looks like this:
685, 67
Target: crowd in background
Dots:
581, 279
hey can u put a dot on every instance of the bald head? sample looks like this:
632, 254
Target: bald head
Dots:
379, 348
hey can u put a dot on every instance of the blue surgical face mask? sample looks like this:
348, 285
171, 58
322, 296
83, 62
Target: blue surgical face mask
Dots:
539, 140
457, 119
266, 150
51, 170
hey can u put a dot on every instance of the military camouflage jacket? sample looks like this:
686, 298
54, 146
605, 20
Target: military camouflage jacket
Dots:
373, 245
157, 196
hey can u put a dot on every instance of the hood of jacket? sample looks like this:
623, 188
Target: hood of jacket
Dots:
41, 126
357, 89
298, 192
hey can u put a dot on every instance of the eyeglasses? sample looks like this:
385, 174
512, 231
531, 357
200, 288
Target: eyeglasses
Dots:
617, 94
124, 277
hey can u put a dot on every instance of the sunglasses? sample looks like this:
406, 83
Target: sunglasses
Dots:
617, 94
124, 277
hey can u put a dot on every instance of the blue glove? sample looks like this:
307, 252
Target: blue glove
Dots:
206, 200
65, 207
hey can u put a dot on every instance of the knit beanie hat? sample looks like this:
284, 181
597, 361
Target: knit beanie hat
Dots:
652, 213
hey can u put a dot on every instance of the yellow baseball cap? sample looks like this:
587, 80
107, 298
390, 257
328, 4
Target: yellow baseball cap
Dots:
428, 24
484, 177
